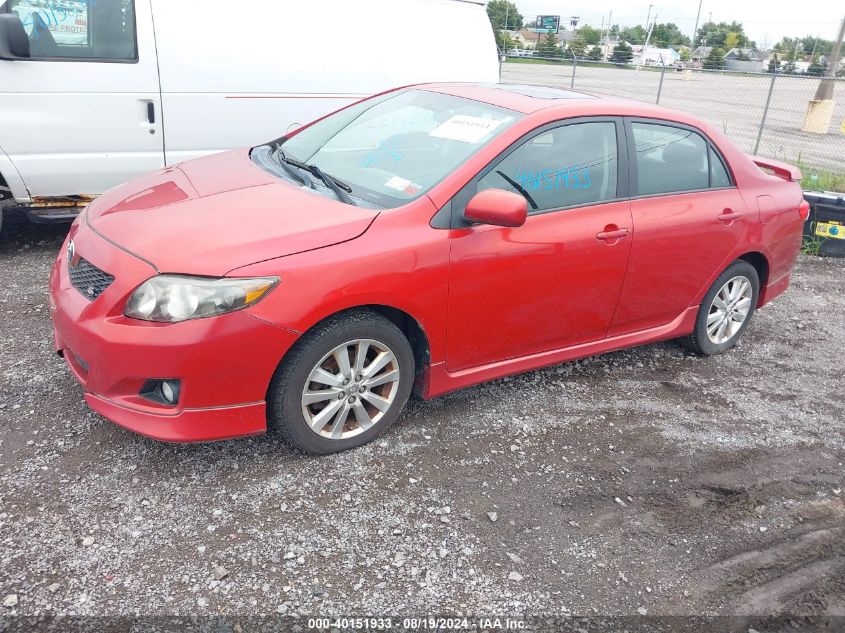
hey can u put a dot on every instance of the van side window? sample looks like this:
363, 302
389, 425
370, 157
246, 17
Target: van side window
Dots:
670, 159
567, 166
79, 29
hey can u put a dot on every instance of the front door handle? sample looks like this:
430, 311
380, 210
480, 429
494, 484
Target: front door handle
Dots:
612, 233
729, 215
151, 112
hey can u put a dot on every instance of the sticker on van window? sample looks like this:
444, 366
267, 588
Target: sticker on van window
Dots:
468, 129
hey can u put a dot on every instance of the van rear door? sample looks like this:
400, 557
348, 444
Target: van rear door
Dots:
84, 112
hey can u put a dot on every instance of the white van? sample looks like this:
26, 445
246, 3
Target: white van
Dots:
94, 92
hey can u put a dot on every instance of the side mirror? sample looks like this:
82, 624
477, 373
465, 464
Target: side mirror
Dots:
14, 43
497, 207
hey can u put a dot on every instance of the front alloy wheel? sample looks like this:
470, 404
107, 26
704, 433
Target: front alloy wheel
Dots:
342, 384
351, 389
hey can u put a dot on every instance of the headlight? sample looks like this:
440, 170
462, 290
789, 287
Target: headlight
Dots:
173, 298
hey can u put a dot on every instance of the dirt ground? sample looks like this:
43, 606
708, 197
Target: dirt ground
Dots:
645, 480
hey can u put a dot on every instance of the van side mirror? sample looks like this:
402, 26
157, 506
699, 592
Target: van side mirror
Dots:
14, 43
497, 207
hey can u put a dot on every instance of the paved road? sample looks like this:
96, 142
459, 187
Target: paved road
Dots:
733, 103
644, 479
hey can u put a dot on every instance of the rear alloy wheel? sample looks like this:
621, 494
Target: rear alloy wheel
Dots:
343, 384
726, 310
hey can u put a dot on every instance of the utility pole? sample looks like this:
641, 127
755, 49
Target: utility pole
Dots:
647, 38
648, 17
820, 109
607, 42
695, 30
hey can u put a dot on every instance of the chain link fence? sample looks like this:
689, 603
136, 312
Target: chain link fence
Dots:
762, 113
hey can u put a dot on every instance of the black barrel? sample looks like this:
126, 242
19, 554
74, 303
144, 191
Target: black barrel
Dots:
826, 222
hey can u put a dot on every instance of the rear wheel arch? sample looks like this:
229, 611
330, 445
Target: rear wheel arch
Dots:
760, 263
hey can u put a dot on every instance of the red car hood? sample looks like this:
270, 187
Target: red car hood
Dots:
211, 215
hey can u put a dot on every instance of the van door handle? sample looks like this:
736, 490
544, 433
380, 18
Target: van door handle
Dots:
612, 233
151, 112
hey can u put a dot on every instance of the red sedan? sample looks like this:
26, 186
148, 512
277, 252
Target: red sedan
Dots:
427, 238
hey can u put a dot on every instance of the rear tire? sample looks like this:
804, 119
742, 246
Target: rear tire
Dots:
725, 311
343, 384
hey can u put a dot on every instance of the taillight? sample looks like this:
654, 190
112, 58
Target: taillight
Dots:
804, 210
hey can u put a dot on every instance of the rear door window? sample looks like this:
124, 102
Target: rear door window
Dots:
100, 30
673, 159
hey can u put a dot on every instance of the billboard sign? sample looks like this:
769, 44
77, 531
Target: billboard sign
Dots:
546, 24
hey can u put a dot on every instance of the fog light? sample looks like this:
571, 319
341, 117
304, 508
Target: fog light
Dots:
168, 391
162, 391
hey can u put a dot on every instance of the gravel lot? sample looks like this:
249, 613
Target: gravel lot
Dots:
640, 480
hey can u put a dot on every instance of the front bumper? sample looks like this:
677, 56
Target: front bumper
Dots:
224, 363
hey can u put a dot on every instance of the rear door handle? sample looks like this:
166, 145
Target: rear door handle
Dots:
151, 112
612, 234
729, 215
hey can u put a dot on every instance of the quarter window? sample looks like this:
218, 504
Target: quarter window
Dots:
718, 174
672, 159
570, 165
78, 29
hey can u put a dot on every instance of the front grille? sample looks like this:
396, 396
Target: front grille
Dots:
89, 280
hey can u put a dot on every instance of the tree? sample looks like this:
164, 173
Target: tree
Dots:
774, 64
684, 52
614, 31
595, 54
742, 56
717, 34
789, 68
716, 59
501, 10
503, 17
816, 68
504, 41
731, 40
577, 47
633, 34
548, 46
665, 35
622, 54
590, 35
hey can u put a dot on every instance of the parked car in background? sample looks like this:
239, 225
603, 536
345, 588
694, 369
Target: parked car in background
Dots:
431, 237
95, 93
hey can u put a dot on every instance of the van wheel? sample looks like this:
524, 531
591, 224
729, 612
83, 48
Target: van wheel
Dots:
726, 310
342, 384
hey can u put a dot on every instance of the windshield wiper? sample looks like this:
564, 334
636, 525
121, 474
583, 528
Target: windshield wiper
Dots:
337, 186
285, 163
519, 188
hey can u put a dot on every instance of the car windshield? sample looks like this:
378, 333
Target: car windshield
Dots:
393, 148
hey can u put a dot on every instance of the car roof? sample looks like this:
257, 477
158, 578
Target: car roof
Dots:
559, 101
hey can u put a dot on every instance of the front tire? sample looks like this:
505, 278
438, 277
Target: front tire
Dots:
725, 311
342, 384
